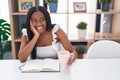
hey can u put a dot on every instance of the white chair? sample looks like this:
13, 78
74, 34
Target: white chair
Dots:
103, 49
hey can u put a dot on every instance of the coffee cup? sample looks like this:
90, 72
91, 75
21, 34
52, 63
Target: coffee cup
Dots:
63, 57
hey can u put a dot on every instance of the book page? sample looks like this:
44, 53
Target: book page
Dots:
41, 65
50, 65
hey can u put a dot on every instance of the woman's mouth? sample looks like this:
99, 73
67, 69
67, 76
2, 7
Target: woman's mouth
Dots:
39, 29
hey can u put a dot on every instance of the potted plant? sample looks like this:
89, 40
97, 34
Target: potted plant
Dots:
105, 4
80, 52
82, 29
23, 27
4, 35
53, 4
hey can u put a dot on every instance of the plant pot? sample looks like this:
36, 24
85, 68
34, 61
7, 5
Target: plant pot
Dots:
81, 33
105, 7
79, 56
53, 7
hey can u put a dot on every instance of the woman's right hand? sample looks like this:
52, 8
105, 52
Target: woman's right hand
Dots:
34, 30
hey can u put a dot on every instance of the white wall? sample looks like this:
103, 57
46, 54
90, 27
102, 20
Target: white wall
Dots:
4, 10
62, 18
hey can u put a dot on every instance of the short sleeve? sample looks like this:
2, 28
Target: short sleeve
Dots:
24, 31
55, 28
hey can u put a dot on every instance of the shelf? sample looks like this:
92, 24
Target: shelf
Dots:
22, 13
68, 20
109, 36
109, 12
99, 11
19, 13
18, 40
58, 13
75, 38
82, 40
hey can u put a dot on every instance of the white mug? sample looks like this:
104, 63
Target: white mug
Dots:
63, 57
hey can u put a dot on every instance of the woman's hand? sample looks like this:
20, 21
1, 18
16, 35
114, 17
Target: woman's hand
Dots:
70, 59
66, 58
33, 29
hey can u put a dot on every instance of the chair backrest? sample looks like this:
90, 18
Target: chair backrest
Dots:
103, 49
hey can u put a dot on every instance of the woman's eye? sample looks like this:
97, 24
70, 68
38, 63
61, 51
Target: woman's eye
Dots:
42, 19
34, 21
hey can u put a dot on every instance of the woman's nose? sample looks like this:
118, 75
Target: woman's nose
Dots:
38, 23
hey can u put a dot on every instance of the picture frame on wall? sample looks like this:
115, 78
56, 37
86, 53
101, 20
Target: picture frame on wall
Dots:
25, 5
79, 6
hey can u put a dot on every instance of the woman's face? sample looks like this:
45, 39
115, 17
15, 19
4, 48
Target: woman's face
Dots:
38, 21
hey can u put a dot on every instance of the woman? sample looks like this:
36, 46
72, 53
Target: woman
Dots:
42, 39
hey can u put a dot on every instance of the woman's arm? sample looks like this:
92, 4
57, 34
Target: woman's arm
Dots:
26, 48
62, 37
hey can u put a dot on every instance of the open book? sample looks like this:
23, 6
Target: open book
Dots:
41, 65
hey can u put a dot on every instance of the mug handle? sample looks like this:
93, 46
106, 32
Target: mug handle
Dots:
71, 55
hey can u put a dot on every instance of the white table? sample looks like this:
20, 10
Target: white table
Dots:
96, 69
82, 69
9, 70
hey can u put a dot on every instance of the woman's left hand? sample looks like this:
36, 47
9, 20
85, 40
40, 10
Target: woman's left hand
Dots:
70, 59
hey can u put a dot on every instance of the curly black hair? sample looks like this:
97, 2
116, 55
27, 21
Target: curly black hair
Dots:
49, 26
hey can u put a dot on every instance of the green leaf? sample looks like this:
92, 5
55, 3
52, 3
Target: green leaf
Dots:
4, 30
2, 21
105, 1
49, 1
82, 25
